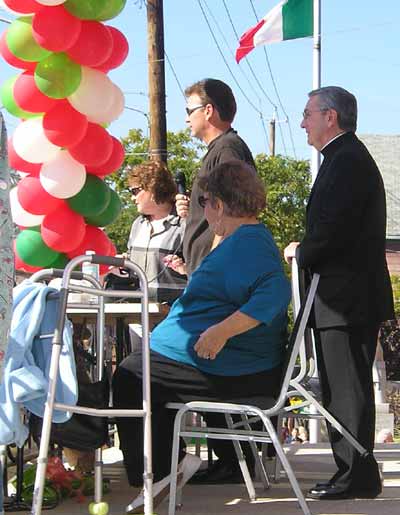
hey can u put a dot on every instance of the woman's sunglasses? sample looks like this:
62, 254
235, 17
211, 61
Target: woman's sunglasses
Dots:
135, 191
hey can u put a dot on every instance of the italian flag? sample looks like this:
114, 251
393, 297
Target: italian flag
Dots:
290, 19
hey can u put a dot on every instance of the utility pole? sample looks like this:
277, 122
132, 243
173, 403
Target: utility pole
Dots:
156, 75
272, 137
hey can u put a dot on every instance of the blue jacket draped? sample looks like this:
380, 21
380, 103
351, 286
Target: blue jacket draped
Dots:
27, 362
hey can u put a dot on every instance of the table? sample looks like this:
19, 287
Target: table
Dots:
129, 312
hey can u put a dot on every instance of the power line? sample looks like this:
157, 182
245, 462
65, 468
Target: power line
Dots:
229, 48
224, 59
174, 74
226, 63
241, 70
247, 61
276, 88
142, 113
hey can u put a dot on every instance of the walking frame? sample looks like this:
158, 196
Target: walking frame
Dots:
96, 289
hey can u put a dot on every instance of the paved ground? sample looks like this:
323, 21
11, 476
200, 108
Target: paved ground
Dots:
310, 462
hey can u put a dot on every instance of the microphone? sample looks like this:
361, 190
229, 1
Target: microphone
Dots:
180, 180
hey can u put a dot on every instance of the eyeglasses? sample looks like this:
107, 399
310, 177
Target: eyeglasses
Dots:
190, 110
307, 113
135, 191
203, 201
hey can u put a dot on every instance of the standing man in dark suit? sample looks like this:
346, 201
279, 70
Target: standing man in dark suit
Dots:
345, 243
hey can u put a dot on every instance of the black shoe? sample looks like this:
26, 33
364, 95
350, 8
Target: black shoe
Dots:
332, 492
220, 473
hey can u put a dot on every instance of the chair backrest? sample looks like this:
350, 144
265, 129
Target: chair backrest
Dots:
295, 341
306, 352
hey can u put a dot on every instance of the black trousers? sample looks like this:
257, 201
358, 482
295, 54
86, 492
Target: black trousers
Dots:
172, 381
345, 358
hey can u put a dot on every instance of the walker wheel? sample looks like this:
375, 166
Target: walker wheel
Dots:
98, 508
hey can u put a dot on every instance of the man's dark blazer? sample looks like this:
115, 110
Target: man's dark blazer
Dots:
345, 238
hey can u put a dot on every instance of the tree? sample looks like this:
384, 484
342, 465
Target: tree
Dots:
288, 183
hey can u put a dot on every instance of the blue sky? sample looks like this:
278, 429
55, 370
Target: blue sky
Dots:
360, 51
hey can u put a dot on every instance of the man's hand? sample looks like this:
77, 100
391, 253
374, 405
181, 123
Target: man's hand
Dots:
210, 342
182, 203
290, 251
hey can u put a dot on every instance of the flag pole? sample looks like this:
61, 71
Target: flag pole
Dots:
316, 83
314, 430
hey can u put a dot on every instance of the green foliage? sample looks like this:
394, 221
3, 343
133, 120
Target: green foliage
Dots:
288, 186
396, 294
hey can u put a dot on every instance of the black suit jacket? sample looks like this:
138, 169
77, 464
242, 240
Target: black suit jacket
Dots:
345, 238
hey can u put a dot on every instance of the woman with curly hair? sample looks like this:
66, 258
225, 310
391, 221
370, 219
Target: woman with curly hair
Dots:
157, 231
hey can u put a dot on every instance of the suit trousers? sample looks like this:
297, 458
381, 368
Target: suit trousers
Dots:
345, 357
172, 381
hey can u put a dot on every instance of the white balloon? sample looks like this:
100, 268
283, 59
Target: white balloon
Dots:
62, 176
30, 142
19, 215
50, 2
114, 111
94, 95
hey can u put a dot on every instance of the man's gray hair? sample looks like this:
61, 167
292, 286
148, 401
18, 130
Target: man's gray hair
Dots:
342, 101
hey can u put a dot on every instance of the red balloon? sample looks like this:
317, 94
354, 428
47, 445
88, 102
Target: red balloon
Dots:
34, 198
28, 96
93, 46
113, 163
94, 239
63, 125
23, 6
17, 163
63, 230
11, 59
119, 52
20, 265
55, 29
95, 148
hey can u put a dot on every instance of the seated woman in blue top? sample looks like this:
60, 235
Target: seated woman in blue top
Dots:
224, 338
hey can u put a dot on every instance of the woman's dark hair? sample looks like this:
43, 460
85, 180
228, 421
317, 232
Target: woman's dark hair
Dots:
155, 177
238, 186
217, 93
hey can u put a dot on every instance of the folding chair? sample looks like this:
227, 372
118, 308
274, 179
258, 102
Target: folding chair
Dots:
51, 405
302, 385
260, 408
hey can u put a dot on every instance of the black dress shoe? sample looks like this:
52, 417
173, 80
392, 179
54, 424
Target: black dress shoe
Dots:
332, 492
220, 473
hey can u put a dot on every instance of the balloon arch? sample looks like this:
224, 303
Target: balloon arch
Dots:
61, 147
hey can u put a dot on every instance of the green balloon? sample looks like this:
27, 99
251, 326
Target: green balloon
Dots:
7, 99
92, 199
32, 249
86, 9
21, 42
60, 262
58, 76
111, 10
110, 213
